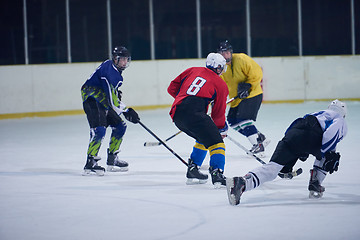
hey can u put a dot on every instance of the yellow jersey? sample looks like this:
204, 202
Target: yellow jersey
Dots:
242, 69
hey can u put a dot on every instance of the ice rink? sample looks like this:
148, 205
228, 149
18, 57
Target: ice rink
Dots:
44, 196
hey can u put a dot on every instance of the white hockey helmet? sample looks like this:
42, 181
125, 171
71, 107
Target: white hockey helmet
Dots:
339, 107
216, 62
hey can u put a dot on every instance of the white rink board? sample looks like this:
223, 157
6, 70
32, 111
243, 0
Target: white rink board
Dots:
56, 87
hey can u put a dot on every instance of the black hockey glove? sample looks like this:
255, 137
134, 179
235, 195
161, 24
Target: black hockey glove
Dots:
131, 116
243, 90
331, 163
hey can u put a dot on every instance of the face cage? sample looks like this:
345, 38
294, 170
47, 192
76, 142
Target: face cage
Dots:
117, 59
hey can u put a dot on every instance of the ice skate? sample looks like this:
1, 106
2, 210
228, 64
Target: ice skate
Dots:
315, 189
262, 139
217, 177
193, 175
114, 164
259, 147
91, 167
235, 187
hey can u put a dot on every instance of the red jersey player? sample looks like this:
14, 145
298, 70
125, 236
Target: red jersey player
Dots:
193, 90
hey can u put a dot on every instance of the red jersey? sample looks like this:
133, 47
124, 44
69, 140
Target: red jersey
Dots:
201, 82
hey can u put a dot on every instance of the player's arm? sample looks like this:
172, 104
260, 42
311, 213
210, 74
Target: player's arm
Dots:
331, 136
252, 71
175, 84
219, 107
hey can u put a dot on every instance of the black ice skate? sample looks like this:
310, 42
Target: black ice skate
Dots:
315, 189
217, 177
259, 147
115, 164
235, 187
193, 175
91, 167
262, 139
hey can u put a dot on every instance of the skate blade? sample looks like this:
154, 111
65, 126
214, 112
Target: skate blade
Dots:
260, 154
229, 187
218, 185
194, 181
266, 142
88, 172
117, 169
315, 195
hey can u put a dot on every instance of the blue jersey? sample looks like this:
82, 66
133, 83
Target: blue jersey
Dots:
103, 85
334, 128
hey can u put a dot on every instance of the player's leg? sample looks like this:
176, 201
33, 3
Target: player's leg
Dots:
118, 129
96, 117
209, 135
282, 158
242, 119
196, 159
184, 120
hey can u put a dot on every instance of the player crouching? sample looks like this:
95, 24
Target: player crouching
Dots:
316, 134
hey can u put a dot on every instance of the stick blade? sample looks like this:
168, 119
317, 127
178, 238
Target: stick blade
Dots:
151, 144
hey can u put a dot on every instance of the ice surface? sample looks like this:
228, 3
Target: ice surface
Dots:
44, 196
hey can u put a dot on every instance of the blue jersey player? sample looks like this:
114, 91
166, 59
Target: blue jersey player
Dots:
316, 134
102, 104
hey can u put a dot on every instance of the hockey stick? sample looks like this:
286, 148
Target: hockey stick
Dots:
289, 175
163, 143
151, 144
245, 149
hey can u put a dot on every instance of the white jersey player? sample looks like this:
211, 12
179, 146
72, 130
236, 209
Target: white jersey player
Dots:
316, 134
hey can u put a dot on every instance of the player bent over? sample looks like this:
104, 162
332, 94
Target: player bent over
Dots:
102, 104
193, 90
316, 134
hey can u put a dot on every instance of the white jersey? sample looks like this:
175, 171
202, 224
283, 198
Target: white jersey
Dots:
334, 127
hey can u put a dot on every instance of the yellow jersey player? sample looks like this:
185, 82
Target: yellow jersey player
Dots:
243, 77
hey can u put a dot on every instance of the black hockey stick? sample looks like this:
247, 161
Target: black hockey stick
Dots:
289, 175
163, 143
245, 149
151, 144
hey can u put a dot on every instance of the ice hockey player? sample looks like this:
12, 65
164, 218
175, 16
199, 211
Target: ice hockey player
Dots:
243, 79
102, 104
316, 134
193, 90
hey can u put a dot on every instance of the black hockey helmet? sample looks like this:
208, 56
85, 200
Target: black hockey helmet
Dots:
225, 46
120, 52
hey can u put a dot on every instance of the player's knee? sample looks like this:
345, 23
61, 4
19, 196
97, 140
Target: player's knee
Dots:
120, 129
98, 132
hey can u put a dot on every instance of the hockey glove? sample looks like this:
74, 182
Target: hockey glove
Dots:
331, 163
243, 90
223, 131
131, 115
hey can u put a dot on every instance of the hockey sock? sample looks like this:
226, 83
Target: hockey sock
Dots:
96, 137
259, 175
217, 155
116, 137
248, 129
198, 154
318, 166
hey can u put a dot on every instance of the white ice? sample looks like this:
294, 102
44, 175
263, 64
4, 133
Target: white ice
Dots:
44, 196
